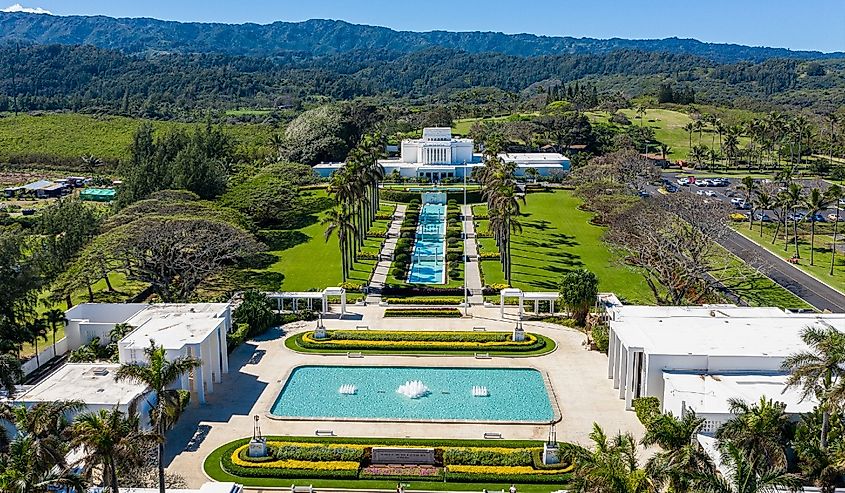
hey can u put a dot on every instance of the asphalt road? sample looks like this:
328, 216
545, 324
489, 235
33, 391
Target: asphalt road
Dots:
790, 277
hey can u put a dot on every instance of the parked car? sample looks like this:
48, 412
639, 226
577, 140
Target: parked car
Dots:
762, 217
818, 218
671, 188
832, 217
644, 194
710, 193
699, 192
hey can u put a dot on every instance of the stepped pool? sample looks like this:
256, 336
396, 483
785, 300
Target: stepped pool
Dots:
516, 395
428, 260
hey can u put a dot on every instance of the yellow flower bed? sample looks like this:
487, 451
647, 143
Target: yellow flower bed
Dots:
309, 338
294, 464
505, 470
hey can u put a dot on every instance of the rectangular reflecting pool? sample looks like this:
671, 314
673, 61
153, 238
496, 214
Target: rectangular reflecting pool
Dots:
428, 261
430, 394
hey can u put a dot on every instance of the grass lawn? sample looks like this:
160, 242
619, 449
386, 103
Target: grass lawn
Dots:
557, 237
72, 135
823, 253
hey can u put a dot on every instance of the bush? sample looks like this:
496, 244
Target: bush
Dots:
421, 300
399, 272
425, 290
238, 337
256, 311
422, 312
601, 337
482, 457
647, 410
420, 341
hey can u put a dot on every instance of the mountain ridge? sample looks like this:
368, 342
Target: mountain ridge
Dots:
323, 36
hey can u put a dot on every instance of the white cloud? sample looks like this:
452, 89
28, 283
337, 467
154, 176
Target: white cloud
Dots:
28, 10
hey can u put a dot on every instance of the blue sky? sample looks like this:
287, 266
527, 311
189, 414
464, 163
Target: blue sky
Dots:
796, 24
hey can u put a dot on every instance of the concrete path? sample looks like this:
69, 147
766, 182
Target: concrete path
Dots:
258, 371
473, 269
386, 256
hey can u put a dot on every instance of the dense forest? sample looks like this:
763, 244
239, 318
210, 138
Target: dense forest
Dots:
85, 78
328, 36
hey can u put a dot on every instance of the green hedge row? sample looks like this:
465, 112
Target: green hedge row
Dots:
401, 336
422, 312
508, 478
422, 300
487, 457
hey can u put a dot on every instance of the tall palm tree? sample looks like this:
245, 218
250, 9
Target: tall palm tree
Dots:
112, 440
758, 429
731, 144
749, 187
698, 154
339, 221
699, 127
610, 466
159, 374
10, 373
689, 128
36, 329
763, 202
681, 456
819, 371
55, 317
746, 475
641, 112
835, 194
814, 202
664, 150
793, 197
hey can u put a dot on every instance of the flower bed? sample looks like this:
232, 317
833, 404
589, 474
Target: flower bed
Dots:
421, 341
505, 462
421, 300
422, 312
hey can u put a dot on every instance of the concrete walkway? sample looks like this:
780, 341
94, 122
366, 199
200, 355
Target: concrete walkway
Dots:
259, 369
473, 269
386, 256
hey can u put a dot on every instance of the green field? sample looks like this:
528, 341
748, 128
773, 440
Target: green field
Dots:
558, 237
70, 135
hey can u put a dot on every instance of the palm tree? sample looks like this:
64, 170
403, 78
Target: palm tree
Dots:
45, 425
90, 163
698, 154
22, 471
835, 194
664, 150
611, 466
641, 112
758, 429
763, 202
159, 375
746, 475
815, 201
699, 127
748, 187
37, 329
682, 456
112, 440
338, 220
55, 317
731, 144
793, 196
689, 128
819, 371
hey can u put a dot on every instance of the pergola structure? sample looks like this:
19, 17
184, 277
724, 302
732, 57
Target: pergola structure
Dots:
309, 297
523, 296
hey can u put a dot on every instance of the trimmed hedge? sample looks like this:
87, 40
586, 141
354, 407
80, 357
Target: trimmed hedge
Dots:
422, 312
422, 300
481, 457
393, 290
390, 195
420, 341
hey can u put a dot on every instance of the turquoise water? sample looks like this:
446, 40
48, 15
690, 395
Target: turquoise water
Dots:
515, 394
429, 256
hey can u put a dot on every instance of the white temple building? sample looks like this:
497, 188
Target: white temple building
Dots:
696, 358
440, 156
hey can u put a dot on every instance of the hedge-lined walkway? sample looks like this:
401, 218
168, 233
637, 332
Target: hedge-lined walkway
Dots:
382, 269
473, 270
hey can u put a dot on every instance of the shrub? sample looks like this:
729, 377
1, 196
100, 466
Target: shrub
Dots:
422, 312
647, 410
399, 272
601, 337
238, 337
489, 255
256, 311
489, 457
420, 300
403, 258
498, 287
377, 233
352, 286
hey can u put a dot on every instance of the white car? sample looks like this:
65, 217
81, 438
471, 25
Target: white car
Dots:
710, 193
699, 192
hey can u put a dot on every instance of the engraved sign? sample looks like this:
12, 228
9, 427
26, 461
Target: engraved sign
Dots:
396, 455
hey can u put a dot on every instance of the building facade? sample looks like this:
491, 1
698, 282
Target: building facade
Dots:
439, 156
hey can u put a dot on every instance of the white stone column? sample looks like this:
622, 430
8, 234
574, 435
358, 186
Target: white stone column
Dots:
199, 384
216, 357
185, 379
224, 351
207, 365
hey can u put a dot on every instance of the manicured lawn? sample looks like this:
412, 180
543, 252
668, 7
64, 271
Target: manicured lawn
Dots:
557, 237
823, 253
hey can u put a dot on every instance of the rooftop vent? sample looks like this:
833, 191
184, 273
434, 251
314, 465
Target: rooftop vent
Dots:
100, 371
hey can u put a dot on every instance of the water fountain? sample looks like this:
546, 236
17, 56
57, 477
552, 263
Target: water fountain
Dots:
348, 389
413, 389
480, 391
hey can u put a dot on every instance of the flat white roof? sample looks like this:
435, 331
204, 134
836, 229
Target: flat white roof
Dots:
174, 325
533, 157
91, 383
725, 331
709, 394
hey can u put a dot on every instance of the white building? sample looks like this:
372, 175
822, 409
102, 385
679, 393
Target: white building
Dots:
439, 156
198, 330
93, 384
698, 357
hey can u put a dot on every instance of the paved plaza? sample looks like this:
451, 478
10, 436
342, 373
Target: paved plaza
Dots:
258, 370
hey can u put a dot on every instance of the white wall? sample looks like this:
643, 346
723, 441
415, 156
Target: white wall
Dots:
45, 355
